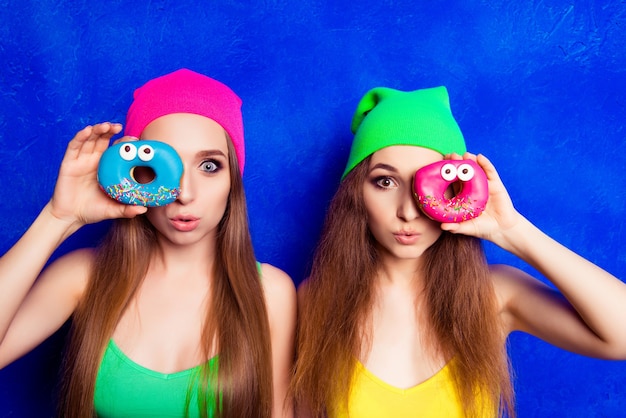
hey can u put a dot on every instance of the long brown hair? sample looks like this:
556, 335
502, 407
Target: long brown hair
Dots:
236, 320
338, 296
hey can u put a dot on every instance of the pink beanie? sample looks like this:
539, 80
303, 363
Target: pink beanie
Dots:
185, 91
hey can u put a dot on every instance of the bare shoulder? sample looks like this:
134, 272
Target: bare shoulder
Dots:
80, 259
279, 289
49, 303
71, 271
280, 296
519, 294
508, 281
503, 276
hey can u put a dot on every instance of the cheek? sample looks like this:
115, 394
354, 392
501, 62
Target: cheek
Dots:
222, 193
378, 223
434, 230
378, 205
375, 213
155, 215
218, 198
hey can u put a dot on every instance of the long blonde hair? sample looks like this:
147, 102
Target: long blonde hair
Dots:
236, 320
461, 305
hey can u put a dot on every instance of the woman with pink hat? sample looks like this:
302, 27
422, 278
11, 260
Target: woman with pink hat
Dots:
171, 314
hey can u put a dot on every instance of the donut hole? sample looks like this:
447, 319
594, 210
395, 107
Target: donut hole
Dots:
143, 174
453, 189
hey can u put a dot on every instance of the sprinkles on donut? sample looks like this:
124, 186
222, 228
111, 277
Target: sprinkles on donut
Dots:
432, 182
117, 166
182, 91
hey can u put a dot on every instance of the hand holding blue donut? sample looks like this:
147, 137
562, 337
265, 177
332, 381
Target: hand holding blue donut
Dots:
117, 168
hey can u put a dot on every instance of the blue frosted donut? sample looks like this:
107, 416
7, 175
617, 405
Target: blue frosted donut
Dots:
118, 163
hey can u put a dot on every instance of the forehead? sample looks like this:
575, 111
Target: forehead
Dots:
187, 132
405, 157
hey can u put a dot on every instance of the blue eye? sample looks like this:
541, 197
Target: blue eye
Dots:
210, 166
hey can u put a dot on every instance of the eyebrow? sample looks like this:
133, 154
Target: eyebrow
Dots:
210, 153
384, 167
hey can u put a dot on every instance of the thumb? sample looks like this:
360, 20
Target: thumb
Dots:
450, 227
130, 211
468, 227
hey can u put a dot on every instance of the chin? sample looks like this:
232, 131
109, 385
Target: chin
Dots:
405, 253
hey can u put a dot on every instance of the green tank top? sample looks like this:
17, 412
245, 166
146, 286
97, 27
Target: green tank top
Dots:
127, 389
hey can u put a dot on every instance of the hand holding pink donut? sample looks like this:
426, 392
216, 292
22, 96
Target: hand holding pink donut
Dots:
432, 181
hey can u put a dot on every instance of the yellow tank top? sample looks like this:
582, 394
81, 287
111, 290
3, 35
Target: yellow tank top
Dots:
371, 397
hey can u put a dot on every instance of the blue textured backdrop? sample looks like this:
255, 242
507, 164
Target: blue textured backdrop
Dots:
539, 87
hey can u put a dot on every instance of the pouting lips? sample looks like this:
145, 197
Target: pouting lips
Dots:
185, 223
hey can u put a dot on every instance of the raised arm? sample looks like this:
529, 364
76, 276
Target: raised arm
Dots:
587, 316
30, 312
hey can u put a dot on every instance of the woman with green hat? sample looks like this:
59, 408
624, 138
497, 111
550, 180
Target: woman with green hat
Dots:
401, 315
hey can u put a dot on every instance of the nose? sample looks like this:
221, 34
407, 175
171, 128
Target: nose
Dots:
407, 206
187, 189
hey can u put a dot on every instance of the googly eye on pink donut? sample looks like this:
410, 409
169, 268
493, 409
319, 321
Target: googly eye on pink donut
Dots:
432, 182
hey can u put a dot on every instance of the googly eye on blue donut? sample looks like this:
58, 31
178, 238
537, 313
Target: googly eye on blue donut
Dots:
142, 173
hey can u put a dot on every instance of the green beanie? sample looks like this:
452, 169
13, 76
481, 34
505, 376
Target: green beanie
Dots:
386, 117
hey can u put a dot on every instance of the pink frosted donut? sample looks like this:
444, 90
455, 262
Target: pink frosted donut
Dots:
432, 182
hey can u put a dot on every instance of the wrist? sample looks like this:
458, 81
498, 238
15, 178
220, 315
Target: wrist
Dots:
517, 238
66, 225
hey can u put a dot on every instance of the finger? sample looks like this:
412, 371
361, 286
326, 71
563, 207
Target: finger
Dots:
487, 167
126, 138
450, 227
469, 156
101, 137
456, 228
116, 210
108, 129
130, 211
466, 228
75, 145
98, 133
103, 142
104, 128
84, 138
